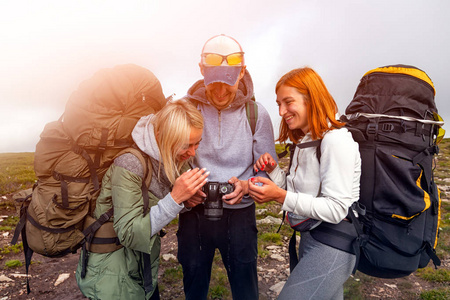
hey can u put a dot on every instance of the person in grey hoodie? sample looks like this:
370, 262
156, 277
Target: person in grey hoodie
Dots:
228, 150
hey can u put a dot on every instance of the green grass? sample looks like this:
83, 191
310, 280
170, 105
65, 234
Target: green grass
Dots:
436, 275
218, 292
352, 289
174, 221
11, 264
443, 161
11, 249
174, 274
436, 294
9, 223
266, 238
219, 286
280, 148
271, 238
16, 172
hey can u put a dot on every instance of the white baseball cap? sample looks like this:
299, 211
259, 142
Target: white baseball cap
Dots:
222, 60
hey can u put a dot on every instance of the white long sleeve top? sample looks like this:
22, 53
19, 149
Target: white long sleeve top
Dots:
322, 191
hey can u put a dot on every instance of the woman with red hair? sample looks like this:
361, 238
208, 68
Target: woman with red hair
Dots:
320, 187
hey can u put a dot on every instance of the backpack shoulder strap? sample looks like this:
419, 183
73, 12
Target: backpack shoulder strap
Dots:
147, 165
315, 143
291, 148
251, 109
145, 161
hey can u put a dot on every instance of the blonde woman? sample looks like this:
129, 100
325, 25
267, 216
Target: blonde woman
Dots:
169, 139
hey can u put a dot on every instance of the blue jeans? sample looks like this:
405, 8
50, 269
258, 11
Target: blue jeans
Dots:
235, 235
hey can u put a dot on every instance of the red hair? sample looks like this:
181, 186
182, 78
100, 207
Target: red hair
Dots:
320, 105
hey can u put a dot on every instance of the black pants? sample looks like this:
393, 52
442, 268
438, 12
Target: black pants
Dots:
155, 295
235, 235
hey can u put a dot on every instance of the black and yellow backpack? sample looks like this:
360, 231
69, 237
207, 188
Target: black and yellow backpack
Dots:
394, 119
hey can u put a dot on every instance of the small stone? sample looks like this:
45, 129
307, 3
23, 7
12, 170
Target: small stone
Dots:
277, 257
18, 275
269, 220
273, 247
4, 278
260, 211
392, 286
277, 287
61, 278
169, 256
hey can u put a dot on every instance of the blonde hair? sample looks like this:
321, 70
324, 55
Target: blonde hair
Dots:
172, 126
320, 105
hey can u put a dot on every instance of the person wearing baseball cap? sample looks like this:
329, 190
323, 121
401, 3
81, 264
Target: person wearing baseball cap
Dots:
228, 150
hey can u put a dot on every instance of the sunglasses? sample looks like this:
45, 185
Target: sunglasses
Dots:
213, 59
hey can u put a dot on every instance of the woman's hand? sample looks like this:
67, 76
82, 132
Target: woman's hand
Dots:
188, 184
196, 199
265, 163
235, 197
264, 190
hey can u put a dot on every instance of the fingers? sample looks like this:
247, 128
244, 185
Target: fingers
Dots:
257, 188
265, 163
236, 196
195, 178
254, 185
193, 201
200, 193
234, 200
188, 184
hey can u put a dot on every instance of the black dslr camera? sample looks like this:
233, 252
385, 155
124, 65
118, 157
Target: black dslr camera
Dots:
214, 191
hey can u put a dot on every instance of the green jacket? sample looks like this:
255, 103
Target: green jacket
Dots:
120, 274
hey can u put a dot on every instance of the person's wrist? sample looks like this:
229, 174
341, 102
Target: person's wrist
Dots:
281, 195
244, 186
176, 198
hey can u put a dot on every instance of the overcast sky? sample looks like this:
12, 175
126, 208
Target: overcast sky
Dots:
48, 47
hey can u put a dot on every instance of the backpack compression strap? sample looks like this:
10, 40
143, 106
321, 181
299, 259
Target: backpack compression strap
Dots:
89, 233
20, 229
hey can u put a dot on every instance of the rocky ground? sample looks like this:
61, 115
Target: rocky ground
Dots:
54, 278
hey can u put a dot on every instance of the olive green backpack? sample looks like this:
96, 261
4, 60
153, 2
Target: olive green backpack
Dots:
73, 155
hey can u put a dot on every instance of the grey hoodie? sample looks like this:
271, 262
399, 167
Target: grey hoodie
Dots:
228, 147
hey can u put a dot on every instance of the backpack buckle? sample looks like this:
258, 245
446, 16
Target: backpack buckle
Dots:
372, 129
387, 127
